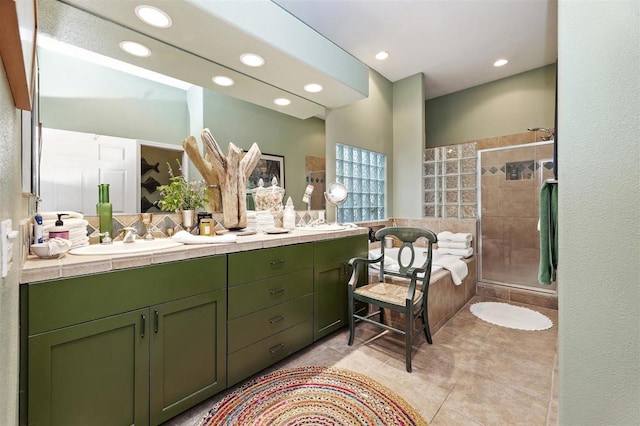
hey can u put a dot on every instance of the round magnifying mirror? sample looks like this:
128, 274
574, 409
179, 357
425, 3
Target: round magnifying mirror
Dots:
336, 194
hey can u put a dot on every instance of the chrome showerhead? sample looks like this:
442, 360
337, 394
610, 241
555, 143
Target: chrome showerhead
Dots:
549, 133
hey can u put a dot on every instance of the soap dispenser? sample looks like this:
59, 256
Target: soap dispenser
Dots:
289, 216
59, 231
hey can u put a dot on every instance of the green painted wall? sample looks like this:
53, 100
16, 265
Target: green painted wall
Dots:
366, 124
86, 97
408, 143
599, 200
14, 206
503, 107
233, 120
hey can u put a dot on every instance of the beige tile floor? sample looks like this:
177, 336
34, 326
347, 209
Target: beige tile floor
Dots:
475, 373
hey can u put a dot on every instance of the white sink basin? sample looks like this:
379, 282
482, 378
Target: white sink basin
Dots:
118, 247
325, 227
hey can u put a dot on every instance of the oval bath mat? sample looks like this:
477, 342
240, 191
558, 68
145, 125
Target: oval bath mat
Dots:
313, 396
511, 316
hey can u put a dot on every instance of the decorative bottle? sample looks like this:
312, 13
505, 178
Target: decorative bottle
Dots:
104, 210
289, 216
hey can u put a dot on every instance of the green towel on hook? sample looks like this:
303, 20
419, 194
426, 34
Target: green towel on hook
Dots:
548, 233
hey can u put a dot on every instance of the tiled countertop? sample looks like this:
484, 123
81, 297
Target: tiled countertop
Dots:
35, 269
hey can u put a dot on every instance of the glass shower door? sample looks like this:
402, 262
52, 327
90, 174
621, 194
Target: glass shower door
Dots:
509, 182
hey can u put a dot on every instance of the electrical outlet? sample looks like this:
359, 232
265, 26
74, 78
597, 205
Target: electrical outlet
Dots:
7, 237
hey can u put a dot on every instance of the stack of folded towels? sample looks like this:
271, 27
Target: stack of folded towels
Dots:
458, 244
260, 220
74, 222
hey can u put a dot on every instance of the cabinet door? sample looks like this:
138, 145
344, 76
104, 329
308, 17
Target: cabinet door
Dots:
331, 274
188, 353
95, 373
329, 298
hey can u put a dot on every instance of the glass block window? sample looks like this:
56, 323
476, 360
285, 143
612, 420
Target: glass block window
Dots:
449, 181
363, 172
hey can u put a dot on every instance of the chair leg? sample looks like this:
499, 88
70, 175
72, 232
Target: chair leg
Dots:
408, 337
425, 321
352, 321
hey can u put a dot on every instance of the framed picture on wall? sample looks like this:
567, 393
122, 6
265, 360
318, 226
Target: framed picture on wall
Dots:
268, 167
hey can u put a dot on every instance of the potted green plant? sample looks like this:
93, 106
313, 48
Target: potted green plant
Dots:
183, 196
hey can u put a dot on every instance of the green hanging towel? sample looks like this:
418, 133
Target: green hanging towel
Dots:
548, 233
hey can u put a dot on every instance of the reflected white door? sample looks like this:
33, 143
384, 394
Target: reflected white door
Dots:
116, 165
74, 163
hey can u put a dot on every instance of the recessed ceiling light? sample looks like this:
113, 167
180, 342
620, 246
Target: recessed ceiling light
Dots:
313, 88
382, 55
222, 80
252, 60
135, 49
282, 101
153, 16
500, 62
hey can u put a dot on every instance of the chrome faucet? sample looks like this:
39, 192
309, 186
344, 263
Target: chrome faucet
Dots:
129, 236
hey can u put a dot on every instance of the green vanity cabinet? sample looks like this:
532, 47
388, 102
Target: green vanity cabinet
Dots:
90, 373
270, 310
187, 356
331, 274
130, 347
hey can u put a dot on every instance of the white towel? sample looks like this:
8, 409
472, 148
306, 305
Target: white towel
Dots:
453, 264
390, 264
67, 215
456, 252
186, 238
450, 236
454, 244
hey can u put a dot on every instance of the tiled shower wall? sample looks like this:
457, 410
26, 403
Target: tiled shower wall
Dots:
510, 209
511, 180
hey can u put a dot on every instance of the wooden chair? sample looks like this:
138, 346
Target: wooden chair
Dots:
396, 296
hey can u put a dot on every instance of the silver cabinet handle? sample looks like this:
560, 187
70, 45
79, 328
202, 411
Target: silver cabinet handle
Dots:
143, 325
276, 290
277, 348
276, 262
276, 319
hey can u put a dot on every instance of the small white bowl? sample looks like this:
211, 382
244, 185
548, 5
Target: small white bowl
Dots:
45, 250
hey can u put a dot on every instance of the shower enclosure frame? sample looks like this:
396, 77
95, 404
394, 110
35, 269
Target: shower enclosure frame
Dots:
549, 291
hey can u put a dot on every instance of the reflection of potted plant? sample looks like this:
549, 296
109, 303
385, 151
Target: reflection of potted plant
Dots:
183, 196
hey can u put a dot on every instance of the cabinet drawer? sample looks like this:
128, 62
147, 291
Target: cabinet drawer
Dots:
251, 328
253, 358
60, 303
340, 250
258, 264
247, 298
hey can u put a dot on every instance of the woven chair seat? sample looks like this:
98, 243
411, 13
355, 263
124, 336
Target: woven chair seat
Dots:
387, 292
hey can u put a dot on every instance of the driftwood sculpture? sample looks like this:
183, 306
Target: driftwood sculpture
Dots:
226, 174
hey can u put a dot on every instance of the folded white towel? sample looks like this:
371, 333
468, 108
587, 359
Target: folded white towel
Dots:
79, 243
450, 236
456, 252
454, 244
453, 264
67, 215
186, 238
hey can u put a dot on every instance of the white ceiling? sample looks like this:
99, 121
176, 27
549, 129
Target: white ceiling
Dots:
453, 42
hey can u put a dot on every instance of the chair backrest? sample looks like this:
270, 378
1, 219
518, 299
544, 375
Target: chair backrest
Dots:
406, 255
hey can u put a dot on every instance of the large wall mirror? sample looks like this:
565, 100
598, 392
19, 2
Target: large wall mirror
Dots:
86, 97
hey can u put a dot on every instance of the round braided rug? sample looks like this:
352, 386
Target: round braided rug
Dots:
313, 396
